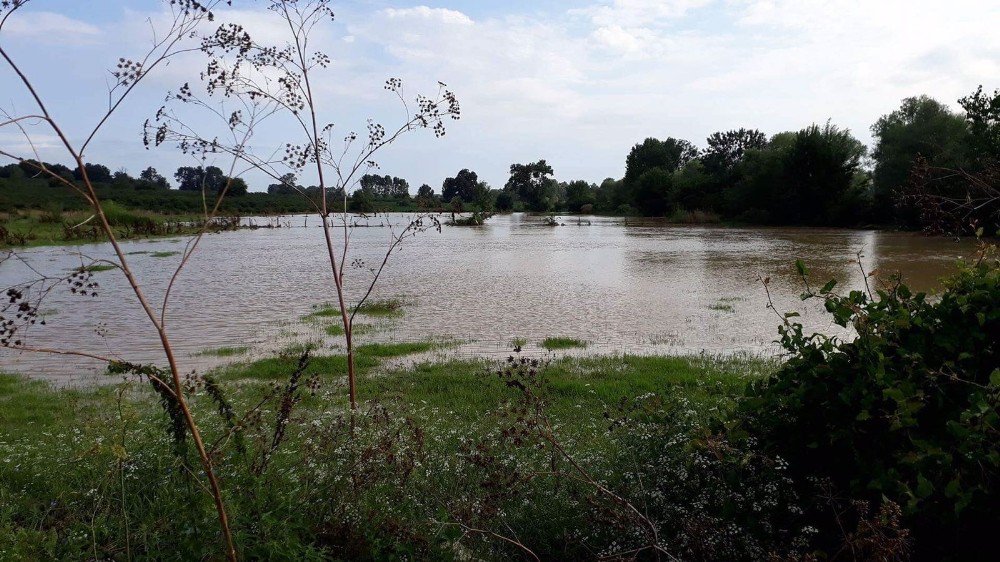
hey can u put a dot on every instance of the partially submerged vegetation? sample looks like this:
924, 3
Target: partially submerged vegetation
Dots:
382, 308
553, 343
226, 351
40, 228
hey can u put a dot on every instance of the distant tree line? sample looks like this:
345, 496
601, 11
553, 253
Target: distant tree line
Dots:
819, 175
930, 167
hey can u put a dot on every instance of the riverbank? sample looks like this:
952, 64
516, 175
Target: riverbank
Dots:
45, 228
95, 472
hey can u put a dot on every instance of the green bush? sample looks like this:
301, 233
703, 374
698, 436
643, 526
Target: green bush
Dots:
906, 412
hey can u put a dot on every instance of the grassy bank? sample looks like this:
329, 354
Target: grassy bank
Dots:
47, 228
95, 473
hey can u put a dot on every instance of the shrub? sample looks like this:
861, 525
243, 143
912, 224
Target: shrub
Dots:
906, 412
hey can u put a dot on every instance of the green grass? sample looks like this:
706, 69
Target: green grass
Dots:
722, 307
562, 343
163, 254
518, 342
382, 308
100, 267
325, 311
84, 470
225, 351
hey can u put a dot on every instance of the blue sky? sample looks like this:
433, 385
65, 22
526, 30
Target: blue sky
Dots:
577, 83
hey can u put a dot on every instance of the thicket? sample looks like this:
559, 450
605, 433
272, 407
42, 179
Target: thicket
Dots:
905, 414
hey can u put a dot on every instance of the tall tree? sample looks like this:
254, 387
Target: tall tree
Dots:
151, 179
96, 173
921, 127
465, 185
726, 149
533, 185
668, 155
211, 179
983, 115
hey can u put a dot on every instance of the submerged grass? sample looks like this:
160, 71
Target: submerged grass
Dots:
562, 343
383, 308
325, 311
225, 351
100, 267
163, 254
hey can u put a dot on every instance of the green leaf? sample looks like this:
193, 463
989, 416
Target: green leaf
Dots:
953, 488
995, 378
924, 486
801, 268
791, 314
828, 287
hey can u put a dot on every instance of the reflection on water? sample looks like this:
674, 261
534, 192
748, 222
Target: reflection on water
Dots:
623, 285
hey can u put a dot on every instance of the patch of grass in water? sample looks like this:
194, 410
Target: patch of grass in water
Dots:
163, 254
224, 351
562, 343
722, 307
325, 311
138, 253
100, 267
384, 308
518, 342
338, 329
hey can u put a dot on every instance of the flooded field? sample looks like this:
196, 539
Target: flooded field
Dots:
620, 285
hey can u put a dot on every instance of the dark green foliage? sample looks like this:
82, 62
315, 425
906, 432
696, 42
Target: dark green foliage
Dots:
909, 411
532, 184
983, 116
386, 187
920, 127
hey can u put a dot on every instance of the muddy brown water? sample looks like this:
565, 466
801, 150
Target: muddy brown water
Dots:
622, 285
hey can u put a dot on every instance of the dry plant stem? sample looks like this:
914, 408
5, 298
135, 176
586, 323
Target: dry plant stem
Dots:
93, 198
497, 536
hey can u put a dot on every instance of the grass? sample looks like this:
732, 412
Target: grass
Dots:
41, 228
83, 471
325, 311
722, 307
382, 308
100, 267
163, 254
225, 351
518, 342
562, 343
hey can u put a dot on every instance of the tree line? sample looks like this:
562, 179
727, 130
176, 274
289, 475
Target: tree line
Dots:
929, 167
820, 175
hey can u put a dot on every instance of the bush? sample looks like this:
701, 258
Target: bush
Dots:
906, 412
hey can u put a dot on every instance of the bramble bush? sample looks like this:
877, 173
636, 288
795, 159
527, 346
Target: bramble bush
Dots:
905, 413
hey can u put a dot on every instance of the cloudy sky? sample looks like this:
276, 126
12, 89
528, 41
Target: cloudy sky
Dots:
575, 82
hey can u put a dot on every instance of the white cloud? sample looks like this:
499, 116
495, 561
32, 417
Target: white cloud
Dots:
51, 28
581, 86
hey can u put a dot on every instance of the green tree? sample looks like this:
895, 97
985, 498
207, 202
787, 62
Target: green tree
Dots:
285, 186
98, 173
151, 179
465, 185
983, 115
800, 178
533, 185
652, 192
580, 193
923, 127
668, 155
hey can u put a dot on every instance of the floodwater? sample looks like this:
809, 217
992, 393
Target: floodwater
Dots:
622, 285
